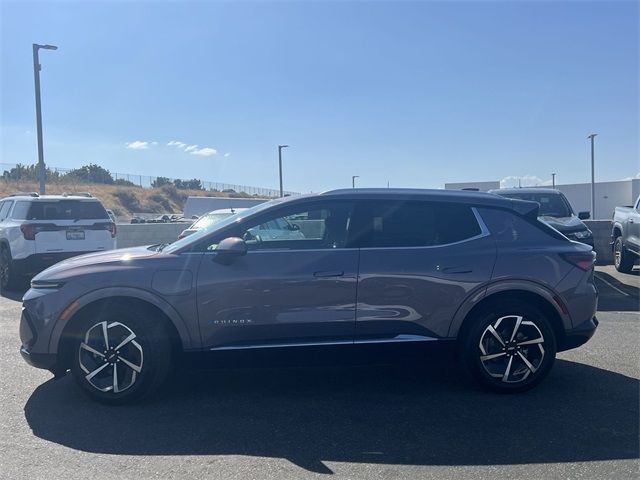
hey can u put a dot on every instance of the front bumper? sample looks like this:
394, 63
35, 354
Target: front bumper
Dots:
578, 336
46, 361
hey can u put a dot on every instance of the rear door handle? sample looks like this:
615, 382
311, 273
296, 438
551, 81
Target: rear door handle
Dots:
456, 270
328, 273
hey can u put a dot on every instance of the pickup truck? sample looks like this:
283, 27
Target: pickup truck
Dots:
625, 234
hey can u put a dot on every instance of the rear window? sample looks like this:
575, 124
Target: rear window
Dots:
60, 210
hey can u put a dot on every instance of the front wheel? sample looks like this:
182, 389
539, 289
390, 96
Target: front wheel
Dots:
510, 348
121, 355
8, 277
622, 259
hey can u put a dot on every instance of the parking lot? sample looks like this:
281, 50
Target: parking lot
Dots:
375, 421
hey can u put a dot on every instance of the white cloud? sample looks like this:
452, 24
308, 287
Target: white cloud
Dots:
226, 155
137, 145
204, 152
154, 143
523, 181
193, 149
637, 175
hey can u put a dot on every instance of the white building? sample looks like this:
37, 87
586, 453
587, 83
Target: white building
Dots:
608, 194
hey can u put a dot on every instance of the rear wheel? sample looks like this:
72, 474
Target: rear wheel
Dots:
8, 278
510, 348
121, 356
622, 258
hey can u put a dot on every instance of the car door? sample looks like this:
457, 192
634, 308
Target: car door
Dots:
293, 287
418, 261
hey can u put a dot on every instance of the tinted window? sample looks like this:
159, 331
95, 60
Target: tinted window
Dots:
299, 227
4, 209
60, 210
551, 204
507, 227
411, 224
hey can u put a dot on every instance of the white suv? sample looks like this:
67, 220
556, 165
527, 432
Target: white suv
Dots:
38, 231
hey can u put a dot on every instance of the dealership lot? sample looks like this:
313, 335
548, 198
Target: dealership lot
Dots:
376, 421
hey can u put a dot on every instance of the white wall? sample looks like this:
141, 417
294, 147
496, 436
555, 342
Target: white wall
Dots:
482, 186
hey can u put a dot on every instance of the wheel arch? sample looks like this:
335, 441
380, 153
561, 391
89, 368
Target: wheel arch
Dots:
102, 299
535, 295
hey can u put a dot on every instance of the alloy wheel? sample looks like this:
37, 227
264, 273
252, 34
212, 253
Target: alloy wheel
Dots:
111, 357
511, 348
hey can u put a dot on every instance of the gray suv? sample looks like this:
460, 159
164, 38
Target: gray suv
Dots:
365, 266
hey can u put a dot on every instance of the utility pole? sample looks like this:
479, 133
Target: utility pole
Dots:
593, 176
280, 147
36, 77
553, 180
353, 180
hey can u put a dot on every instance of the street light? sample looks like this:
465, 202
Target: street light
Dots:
593, 181
280, 147
36, 77
353, 180
553, 180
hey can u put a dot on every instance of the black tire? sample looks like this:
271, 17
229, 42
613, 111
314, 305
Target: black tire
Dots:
622, 258
541, 356
150, 351
8, 277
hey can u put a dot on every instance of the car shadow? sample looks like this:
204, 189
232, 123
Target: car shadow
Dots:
393, 414
616, 296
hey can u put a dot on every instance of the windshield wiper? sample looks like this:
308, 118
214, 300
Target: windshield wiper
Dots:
161, 246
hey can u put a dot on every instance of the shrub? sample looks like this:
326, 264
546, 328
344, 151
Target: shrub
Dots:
129, 200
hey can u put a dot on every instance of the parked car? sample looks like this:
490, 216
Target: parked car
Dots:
112, 215
555, 210
38, 231
377, 266
625, 236
209, 219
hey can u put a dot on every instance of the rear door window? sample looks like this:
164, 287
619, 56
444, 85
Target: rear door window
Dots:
60, 210
4, 209
379, 224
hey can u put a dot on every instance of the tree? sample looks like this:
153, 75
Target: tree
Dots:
160, 181
193, 184
91, 173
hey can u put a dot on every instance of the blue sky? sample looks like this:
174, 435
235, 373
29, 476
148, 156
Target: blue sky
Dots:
414, 94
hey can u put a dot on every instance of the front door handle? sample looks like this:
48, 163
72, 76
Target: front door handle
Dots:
456, 269
328, 273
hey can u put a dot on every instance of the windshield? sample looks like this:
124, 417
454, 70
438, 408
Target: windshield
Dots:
209, 219
213, 227
551, 204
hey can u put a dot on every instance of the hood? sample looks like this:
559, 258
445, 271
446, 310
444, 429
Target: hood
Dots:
565, 224
109, 256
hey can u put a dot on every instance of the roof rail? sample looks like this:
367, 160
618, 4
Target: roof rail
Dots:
77, 194
24, 194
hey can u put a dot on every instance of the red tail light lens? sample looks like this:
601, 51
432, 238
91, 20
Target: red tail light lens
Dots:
106, 226
28, 231
582, 260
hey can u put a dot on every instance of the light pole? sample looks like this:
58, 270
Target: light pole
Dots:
553, 180
353, 180
36, 77
280, 147
593, 180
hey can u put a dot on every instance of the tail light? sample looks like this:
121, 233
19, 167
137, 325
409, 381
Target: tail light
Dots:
582, 260
110, 226
29, 230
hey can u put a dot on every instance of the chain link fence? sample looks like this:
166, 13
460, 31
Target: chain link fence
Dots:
59, 175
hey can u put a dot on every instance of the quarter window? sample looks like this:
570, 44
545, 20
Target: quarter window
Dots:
411, 224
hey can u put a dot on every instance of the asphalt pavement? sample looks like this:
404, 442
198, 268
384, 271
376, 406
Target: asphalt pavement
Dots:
406, 420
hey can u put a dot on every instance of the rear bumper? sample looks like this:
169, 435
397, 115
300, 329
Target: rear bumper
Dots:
578, 336
38, 262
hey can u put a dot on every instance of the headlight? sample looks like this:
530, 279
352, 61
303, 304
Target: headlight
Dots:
583, 234
46, 284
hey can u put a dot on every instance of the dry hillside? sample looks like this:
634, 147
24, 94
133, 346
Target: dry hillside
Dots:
123, 200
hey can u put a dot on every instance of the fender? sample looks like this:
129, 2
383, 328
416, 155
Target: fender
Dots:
187, 338
503, 286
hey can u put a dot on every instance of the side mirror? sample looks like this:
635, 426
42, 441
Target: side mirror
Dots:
584, 215
231, 248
